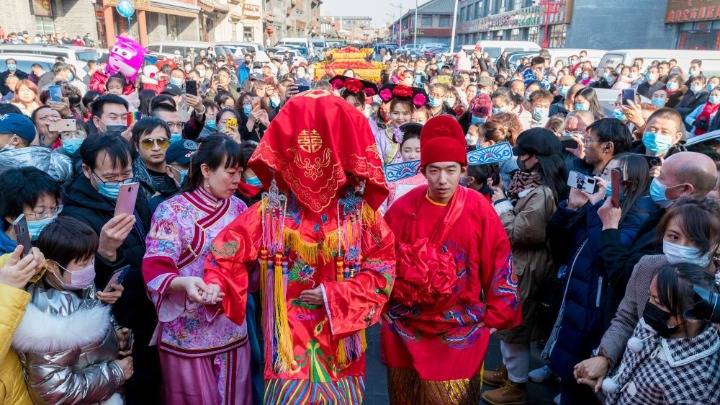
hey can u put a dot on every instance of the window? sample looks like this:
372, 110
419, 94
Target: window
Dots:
461, 14
445, 21
44, 25
248, 35
477, 10
427, 21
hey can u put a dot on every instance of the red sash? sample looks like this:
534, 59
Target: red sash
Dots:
426, 270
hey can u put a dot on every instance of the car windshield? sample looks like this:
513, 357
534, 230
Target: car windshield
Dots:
492, 52
86, 55
26, 65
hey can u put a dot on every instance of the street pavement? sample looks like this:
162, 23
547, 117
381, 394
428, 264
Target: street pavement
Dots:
376, 383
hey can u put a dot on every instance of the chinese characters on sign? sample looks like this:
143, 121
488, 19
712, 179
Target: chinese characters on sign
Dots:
692, 10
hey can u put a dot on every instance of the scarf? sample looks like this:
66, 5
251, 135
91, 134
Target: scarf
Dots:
522, 181
706, 115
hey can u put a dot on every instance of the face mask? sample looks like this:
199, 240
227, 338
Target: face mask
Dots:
70, 77
35, 227
434, 103
709, 87
656, 143
658, 102
693, 72
253, 181
685, 254
714, 99
470, 140
70, 146
175, 81
585, 76
672, 86
564, 90
657, 193
111, 189
650, 78
11, 67
211, 124
523, 167
498, 110
175, 137
183, 175
696, 89
581, 107
274, 102
115, 128
247, 109
300, 75
79, 279
657, 319
450, 102
477, 120
618, 114
540, 114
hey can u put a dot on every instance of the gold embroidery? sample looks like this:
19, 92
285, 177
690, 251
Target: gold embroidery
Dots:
313, 167
310, 142
316, 93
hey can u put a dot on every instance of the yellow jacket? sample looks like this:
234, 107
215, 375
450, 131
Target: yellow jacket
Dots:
13, 390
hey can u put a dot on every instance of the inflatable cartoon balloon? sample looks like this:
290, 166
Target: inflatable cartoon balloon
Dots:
126, 58
125, 8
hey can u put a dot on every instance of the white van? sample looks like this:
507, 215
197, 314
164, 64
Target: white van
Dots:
78, 56
495, 48
710, 59
563, 54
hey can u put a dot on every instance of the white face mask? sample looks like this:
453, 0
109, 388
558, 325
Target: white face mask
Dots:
675, 254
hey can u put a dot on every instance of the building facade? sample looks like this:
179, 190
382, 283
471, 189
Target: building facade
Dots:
291, 18
350, 28
434, 24
242, 23
593, 24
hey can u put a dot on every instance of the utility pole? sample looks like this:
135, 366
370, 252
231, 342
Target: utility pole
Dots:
416, 26
454, 24
399, 7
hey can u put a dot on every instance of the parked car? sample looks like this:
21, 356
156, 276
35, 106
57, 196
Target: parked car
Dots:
187, 49
710, 59
78, 56
25, 62
495, 48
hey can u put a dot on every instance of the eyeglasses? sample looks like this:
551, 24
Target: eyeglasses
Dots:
150, 143
46, 213
114, 180
176, 125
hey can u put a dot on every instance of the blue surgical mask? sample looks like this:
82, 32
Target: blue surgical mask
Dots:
450, 102
210, 124
617, 113
564, 90
274, 102
175, 137
477, 120
581, 107
434, 102
655, 143
709, 87
11, 67
657, 193
672, 86
247, 109
175, 81
697, 89
658, 102
650, 77
110, 190
675, 254
35, 227
253, 181
714, 99
540, 114
115, 128
71, 145
498, 110
70, 77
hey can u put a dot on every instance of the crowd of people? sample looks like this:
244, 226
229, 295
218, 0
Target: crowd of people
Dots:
26, 38
265, 239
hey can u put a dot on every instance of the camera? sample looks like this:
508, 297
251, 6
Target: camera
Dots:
707, 305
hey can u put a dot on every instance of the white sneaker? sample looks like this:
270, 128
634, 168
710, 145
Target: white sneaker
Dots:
540, 375
556, 400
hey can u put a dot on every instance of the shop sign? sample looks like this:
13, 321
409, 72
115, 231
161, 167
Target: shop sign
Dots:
692, 10
251, 10
41, 8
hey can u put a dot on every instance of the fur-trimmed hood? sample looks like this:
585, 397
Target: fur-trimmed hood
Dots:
43, 332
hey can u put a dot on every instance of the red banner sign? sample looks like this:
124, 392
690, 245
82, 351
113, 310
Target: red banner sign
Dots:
692, 10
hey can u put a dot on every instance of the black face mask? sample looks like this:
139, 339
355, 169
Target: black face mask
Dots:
657, 319
524, 168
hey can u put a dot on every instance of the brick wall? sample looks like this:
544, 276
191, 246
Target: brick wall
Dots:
76, 17
15, 16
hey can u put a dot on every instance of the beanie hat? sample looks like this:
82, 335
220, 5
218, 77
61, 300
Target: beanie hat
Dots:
442, 140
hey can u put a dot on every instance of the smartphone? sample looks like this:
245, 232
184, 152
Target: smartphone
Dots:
302, 89
118, 277
65, 125
616, 182
126, 198
231, 123
255, 103
582, 182
22, 234
55, 93
628, 94
191, 87
653, 161
569, 142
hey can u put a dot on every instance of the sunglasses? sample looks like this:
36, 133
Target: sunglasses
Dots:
150, 143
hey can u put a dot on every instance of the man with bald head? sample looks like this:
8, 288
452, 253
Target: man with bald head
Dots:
684, 174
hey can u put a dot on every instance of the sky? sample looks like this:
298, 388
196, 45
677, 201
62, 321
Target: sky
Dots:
380, 10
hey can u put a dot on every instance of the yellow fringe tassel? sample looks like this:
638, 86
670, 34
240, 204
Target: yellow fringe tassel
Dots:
285, 361
340, 354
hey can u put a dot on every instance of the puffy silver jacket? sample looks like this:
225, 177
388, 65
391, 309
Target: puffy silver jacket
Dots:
67, 344
57, 165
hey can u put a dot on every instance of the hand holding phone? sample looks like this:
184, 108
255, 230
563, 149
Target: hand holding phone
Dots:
22, 234
627, 96
125, 203
191, 87
64, 125
582, 182
302, 89
55, 93
616, 183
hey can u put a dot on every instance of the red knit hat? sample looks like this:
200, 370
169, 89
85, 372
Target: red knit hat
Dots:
442, 140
